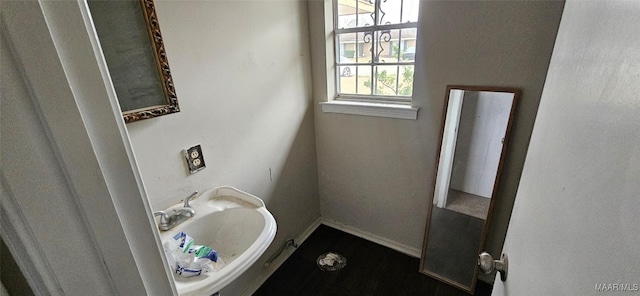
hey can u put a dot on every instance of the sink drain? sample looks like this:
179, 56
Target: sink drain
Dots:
331, 261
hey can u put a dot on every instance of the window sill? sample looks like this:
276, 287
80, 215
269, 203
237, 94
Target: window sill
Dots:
371, 109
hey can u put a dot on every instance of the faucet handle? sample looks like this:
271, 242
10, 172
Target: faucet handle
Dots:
164, 218
189, 198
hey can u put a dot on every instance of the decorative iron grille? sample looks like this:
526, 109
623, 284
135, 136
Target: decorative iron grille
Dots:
375, 49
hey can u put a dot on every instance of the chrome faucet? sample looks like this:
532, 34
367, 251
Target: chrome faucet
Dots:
177, 216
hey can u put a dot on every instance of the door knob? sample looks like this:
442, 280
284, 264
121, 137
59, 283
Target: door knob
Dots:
487, 264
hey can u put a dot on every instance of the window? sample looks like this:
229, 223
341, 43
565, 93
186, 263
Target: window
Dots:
375, 49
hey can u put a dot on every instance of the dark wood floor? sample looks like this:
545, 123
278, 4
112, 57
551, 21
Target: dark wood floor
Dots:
371, 270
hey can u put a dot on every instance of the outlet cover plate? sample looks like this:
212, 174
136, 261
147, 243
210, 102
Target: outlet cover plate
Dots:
195, 159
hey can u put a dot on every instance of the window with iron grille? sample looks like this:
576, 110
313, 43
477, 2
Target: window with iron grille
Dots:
375, 44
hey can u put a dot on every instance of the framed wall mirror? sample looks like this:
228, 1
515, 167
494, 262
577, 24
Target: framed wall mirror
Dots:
475, 130
129, 34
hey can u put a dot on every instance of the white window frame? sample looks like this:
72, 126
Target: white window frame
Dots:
369, 105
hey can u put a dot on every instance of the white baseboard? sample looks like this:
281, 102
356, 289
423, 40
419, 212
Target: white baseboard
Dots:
278, 261
402, 248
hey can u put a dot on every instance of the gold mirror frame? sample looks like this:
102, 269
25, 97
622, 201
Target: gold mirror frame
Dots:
161, 106
153, 27
470, 288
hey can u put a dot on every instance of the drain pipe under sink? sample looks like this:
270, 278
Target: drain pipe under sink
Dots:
288, 243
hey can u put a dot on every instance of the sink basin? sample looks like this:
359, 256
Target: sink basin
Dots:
234, 223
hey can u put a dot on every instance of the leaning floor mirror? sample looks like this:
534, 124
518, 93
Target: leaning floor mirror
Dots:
473, 143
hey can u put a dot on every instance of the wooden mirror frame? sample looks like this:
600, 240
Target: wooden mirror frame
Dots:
516, 95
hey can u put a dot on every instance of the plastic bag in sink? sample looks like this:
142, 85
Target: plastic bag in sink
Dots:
189, 259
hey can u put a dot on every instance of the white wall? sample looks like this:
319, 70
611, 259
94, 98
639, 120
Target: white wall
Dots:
242, 76
376, 174
483, 124
575, 220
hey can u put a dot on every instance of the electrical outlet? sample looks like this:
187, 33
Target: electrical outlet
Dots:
195, 159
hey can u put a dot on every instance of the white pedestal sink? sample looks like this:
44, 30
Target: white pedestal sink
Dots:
234, 223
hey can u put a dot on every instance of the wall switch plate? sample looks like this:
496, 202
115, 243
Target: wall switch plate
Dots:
195, 159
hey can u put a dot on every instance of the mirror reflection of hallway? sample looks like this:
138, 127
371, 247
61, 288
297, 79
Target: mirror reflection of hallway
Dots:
475, 129
468, 204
